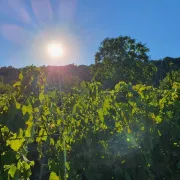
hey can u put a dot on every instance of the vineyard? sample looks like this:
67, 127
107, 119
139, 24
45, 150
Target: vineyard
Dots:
129, 132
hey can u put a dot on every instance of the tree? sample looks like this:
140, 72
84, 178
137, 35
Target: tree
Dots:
164, 66
122, 59
170, 79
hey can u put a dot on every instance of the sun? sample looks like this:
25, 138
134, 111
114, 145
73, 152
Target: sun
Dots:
54, 50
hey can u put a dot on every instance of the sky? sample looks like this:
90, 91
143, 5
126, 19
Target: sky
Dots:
27, 26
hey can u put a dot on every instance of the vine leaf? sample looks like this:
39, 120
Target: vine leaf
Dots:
12, 171
18, 106
15, 144
41, 97
53, 176
17, 84
20, 76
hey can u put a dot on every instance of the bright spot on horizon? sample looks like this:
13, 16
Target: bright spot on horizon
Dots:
54, 50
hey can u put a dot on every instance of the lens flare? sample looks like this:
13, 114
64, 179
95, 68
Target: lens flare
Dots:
54, 50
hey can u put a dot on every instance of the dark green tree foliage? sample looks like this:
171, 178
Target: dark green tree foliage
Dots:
170, 79
63, 77
9, 74
164, 66
123, 59
5, 88
67, 77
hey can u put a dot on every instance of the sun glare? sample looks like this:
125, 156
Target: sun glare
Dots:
54, 50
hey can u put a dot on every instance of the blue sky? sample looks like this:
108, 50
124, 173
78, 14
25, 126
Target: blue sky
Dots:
26, 26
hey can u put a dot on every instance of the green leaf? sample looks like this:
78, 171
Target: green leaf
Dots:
18, 106
26, 109
142, 128
41, 97
17, 84
15, 144
53, 176
74, 109
83, 85
51, 141
100, 113
29, 108
106, 103
67, 166
20, 76
158, 119
159, 133
12, 171
28, 131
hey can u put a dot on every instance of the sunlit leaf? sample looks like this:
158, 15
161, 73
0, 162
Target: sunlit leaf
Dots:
67, 166
15, 144
18, 106
100, 113
20, 76
159, 133
53, 176
17, 84
12, 171
41, 97
51, 141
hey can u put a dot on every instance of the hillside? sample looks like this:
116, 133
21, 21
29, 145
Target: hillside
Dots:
70, 75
